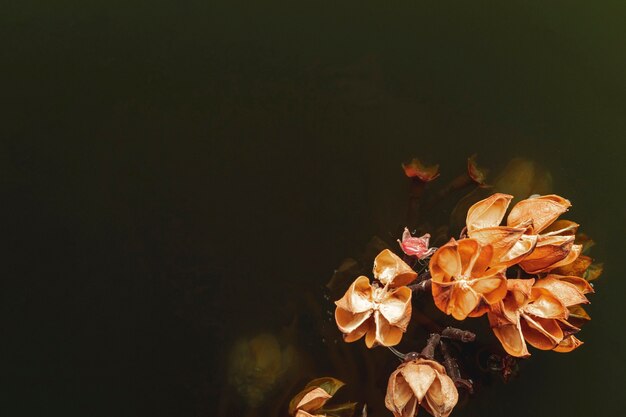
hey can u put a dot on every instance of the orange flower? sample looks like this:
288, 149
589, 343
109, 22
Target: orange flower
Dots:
536, 312
532, 237
418, 380
381, 313
463, 283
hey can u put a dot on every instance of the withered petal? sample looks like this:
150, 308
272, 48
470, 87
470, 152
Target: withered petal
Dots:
501, 238
390, 269
541, 211
348, 322
441, 397
360, 331
521, 249
548, 252
420, 377
358, 297
445, 263
493, 289
463, 300
476, 173
545, 305
580, 283
567, 293
488, 212
561, 227
577, 268
468, 250
302, 413
396, 307
386, 333
399, 393
543, 334
578, 312
568, 344
511, 338
571, 256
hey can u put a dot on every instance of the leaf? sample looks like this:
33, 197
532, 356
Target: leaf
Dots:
415, 169
329, 384
594, 271
476, 173
341, 410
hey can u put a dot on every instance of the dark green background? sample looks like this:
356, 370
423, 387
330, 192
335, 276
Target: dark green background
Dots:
256, 144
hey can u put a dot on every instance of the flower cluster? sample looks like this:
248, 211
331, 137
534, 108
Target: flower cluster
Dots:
469, 275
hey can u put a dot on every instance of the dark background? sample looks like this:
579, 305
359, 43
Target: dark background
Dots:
253, 145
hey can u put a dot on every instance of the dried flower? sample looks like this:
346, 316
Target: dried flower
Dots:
536, 312
380, 312
420, 382
476, 173
463, 281
532, 237
416, 246
415, 169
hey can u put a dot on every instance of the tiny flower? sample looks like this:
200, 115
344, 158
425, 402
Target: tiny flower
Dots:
416, 246
379, 311
420, 382
415, 169
463, 281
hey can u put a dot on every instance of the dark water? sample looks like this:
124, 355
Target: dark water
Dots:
179, 176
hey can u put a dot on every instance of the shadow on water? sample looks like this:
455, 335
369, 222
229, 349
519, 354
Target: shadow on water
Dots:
179, 178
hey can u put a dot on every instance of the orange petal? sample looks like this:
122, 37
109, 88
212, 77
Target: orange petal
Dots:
349, 322
571, 256
441, 295
302, 413
415, 169
386, 333
390, 269
359, 332
445, 263
419, 376
501, 238
396, 307
561, 228
568, 344
543, 334
441, 397
493, 289
567, 293
541, 211
594, 271
462, 301
577, 312
510, 336
522, 248
548, 252
580, 283
545, 305
488, 212
358, 297
399, 398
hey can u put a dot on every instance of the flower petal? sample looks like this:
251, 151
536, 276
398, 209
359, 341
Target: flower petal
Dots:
543, 334
541, 211
358, 297
313, 400
396, 307
577, 267
568, 344
561, 227
445, 263
501, 238
548, 252
463, 300
390, 269
488, 212
566, 292
420, 377
399, 398
545, 305
522, 248
348, 322
493, 289
441, 397
386, 333
510, 336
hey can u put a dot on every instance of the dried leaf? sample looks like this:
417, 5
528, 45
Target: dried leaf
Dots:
415, 169
476, 173
594, 271
341, 410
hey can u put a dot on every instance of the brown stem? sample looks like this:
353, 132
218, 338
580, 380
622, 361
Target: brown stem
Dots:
452, 368
458, 334
423, 286
429, 350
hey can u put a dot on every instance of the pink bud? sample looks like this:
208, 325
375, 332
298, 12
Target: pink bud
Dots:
415, 246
